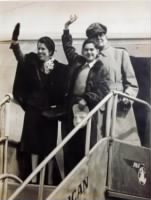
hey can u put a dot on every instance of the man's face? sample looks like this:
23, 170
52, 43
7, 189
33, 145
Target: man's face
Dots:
43, 52
90, 52
100, 39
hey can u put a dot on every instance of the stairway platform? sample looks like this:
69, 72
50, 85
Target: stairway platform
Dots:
30, 192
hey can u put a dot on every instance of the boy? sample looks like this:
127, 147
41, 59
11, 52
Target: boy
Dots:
88, 85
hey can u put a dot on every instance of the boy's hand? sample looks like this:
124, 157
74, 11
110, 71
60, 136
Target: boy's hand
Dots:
82, 104
72, 19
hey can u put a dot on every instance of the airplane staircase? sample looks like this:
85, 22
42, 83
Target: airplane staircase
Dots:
111, 170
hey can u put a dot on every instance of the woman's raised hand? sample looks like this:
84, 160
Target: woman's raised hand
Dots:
16, 32
15, 35
72, 19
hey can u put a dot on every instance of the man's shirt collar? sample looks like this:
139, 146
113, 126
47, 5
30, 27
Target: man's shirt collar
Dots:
91, 64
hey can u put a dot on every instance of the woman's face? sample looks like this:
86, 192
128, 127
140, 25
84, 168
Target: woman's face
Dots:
90, 52
43, 52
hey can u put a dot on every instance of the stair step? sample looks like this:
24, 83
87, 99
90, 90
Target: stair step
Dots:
30, 192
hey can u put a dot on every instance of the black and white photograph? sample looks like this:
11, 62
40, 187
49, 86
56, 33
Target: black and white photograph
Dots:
75, 100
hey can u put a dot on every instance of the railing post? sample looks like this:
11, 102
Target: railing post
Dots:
115, 98
88, 135
108, 117
41, 185
7, 113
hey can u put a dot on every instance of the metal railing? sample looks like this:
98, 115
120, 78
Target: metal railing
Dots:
7, 99
4, 141
41, 167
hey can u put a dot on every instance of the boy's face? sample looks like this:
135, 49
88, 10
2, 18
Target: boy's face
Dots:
90, 52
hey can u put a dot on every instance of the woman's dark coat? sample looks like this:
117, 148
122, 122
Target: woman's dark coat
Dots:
36, 92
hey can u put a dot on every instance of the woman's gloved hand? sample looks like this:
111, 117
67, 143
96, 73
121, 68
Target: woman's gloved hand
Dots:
15, 34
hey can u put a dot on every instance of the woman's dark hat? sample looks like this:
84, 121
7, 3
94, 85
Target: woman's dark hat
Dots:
96, 28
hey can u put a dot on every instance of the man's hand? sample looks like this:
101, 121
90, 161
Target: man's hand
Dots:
72, 19
125, 100
124, 106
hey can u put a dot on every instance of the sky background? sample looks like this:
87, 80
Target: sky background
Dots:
124, 18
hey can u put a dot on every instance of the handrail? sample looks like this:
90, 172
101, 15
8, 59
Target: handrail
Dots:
132, 98
3, 139
5, 176
57, 149
11, 176
68, 137
8, 97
